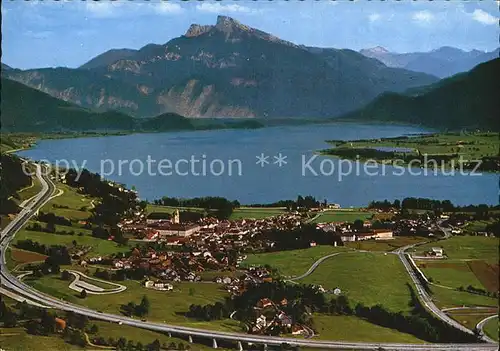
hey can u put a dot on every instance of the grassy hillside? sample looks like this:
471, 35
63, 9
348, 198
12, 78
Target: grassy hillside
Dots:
465, 100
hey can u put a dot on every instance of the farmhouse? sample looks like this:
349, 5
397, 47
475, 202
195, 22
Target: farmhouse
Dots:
265, 302
60, 324
383, 234
365, 236
437, 251
348, 237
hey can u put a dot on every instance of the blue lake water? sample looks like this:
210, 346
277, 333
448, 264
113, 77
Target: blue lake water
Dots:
235, 152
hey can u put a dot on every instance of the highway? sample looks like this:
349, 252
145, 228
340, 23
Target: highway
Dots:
424, 296
480, 327
12, 283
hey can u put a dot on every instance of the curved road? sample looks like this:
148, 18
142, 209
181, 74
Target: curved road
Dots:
11, 283
314, 266
480, 327
424, 296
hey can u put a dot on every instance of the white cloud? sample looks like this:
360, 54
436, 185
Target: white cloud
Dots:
167, 8
484, 17
39, 34
374, 17
102, 9
423, 17
218, 8
107, 9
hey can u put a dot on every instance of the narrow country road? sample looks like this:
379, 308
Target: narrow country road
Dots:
314, 266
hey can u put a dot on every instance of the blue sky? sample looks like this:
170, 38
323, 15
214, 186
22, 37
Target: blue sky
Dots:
50, 34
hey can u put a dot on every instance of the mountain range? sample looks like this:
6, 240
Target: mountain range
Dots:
466, 100
443, 62
25, 109
224, 70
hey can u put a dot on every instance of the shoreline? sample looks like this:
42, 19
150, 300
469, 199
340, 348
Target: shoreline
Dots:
279, 123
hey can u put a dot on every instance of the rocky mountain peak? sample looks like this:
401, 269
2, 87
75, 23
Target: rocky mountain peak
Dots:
376, 50
197, 29
227, 24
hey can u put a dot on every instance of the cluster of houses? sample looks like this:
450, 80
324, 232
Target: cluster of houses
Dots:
172, 266
269, 315
169, 229
348, 234
158, 285
252, 275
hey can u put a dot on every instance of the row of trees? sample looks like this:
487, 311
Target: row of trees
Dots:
123, 344
413, 203
478, 291
133, 309
51, 218
115, 202
208, 312
51, 228
114, 233
207, 202
137, 273
58, 254
221, 207
306, 202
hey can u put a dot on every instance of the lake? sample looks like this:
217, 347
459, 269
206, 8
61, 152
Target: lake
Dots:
223, 163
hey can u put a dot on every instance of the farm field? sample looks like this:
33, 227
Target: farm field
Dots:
170, 209
22, 256
99, 246
491, 328
445, 298
17, 339
467, 247
487, 273
79, 205
469, 318
342, 216
4, 221
451, 274
293, 262
385, 245
476, 226
166, 307
369, 278
29, 191
350, 328
470, 146
211, 275
255, 212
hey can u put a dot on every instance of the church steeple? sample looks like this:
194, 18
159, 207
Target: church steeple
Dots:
177, 217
